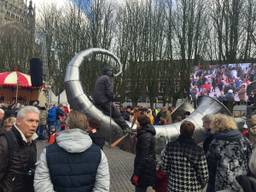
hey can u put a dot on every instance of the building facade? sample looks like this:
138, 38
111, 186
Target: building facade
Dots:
17, 33
17, 11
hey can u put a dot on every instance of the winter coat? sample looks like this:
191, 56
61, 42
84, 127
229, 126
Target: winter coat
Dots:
145, 160
228, 157
17, 162
97, 138
229, 97
103, 90
54, 113
207, 142
73, 141
71, 172
185, 164
242, 93
247, 183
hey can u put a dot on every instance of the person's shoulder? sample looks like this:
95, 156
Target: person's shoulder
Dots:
104, 77
216, 142
3, 140
51, 148
2, 134
172, 144
198, 148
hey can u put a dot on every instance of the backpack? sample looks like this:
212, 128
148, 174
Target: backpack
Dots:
11, 143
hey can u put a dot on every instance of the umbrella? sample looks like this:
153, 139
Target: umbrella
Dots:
14, 79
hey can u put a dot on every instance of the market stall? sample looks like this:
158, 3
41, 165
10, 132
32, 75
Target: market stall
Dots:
17, 87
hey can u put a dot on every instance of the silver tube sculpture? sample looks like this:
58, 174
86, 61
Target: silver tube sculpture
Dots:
78, 100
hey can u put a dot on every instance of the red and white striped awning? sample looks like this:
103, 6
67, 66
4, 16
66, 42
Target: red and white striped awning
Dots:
13, 78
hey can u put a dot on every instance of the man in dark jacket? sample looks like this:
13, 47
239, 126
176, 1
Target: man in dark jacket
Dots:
18, 152
145, 160
103, 98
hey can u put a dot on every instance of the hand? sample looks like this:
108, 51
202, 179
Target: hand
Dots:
135, 180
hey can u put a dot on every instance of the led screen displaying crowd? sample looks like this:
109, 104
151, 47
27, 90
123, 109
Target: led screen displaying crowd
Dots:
226, 82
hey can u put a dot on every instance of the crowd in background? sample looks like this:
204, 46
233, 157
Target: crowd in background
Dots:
158, 116
52, 117
226, 82
226, 161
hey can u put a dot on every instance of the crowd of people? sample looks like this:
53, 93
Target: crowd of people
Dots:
75, 161
225, 82
72, 163
226, 161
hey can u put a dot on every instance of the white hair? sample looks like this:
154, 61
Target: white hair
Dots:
252, 163
27, 109
2, 111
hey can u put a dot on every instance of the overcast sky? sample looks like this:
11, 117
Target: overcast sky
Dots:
40, 4
60, 3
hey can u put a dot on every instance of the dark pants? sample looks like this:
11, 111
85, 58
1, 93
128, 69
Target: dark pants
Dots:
140, 189
110, 110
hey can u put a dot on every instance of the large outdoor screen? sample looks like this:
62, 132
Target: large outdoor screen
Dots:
223, 81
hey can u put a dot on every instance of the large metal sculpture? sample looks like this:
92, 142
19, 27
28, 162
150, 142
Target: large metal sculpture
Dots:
78, 100
182, 109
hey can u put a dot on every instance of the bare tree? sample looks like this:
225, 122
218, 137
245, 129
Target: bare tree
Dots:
189, 26
226, 16
15, 48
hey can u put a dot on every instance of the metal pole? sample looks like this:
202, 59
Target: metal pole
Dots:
17, 88
110, 125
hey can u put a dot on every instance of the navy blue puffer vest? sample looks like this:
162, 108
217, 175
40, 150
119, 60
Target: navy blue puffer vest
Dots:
74, 172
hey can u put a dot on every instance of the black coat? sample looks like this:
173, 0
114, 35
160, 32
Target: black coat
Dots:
17, 167
98, 139
248, 183
207, 142
145, 160
103, 90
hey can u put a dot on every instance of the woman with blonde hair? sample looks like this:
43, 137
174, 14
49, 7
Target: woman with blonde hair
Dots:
228, 154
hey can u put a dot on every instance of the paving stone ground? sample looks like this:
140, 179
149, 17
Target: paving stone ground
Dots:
120, 166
